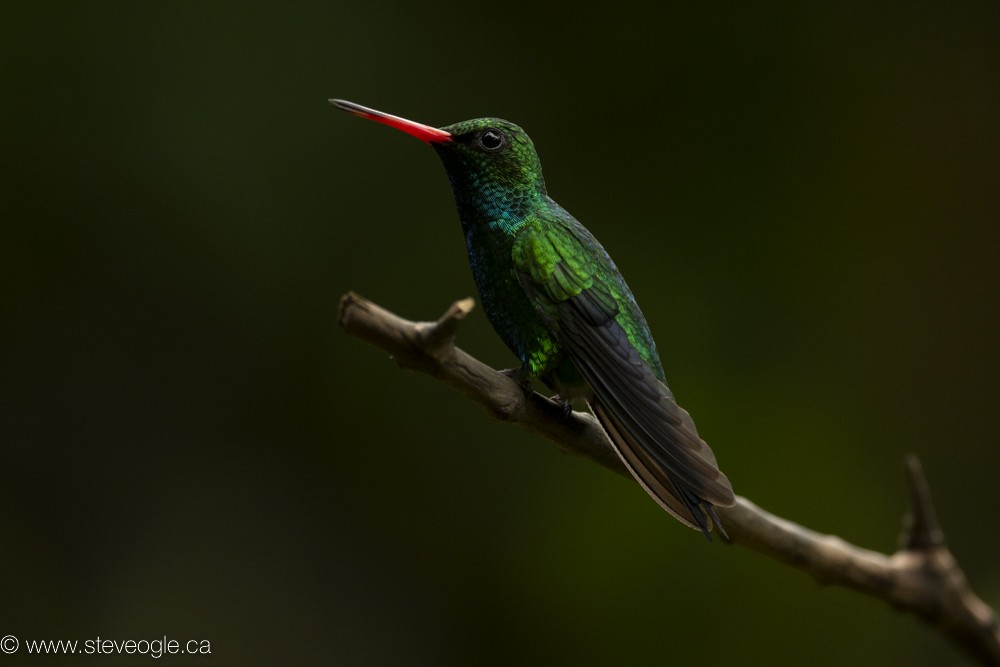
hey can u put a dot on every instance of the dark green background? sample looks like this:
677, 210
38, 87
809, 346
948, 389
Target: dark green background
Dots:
803, 198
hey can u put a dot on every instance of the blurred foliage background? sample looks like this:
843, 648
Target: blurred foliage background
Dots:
804, 198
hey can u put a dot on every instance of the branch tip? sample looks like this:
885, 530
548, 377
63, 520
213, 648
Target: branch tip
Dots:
347, 302
441, 334
921, 531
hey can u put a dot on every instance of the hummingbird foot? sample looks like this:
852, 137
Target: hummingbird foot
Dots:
564, 403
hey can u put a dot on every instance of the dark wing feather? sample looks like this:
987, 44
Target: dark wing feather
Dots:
655, 437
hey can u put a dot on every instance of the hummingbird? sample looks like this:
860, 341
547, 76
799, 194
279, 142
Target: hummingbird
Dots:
557, 300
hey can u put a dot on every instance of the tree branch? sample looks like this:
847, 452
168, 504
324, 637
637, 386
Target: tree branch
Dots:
922, 577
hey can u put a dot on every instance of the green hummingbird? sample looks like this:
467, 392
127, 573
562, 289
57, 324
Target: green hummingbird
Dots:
558, 301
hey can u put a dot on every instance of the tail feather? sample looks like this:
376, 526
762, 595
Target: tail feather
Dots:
672, 494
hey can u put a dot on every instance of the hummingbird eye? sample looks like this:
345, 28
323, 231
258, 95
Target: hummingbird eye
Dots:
491, 139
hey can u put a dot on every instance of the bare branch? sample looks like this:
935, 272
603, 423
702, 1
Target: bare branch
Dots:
922, 577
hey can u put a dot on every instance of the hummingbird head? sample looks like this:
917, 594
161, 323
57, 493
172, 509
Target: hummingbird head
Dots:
492, 165
494, 170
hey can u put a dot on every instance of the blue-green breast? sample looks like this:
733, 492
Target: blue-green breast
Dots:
513, 315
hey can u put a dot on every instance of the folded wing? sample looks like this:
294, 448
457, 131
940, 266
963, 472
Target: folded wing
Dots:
655, 438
